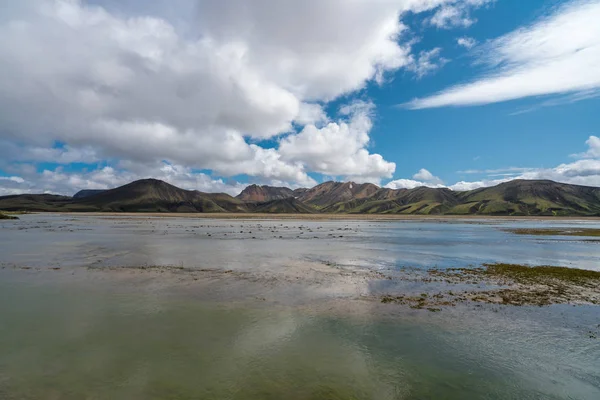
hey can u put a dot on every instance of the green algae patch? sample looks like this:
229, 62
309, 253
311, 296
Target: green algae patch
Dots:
590, 232
542, 274
505, 284
4, 216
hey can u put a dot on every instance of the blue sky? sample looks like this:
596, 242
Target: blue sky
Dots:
213, 96
518, 133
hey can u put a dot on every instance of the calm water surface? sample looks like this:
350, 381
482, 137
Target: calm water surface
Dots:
71, 334
82, 241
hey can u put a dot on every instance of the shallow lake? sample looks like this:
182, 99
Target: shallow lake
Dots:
73, 325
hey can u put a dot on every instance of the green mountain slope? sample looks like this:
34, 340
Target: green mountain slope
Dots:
422, 200
523, 197
151, 195
34, 202
86, 193
282, 206
264, 193
328, 193
519, 197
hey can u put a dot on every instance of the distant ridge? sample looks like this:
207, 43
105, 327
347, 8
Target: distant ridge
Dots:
153, 195
517, 197
334, 192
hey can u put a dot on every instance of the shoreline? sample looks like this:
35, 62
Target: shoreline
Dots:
321, 217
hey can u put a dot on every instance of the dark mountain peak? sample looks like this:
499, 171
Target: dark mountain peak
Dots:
149, 182
150, 189
326, 186
528, 182
155, 195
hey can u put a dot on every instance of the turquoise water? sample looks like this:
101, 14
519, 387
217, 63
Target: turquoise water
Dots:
83, 332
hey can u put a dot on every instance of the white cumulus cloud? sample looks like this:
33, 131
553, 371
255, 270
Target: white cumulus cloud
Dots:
339, 148
422, 178
198, 84
410, 184
427, 62
466, 42
593, 143
456, 14
426, 176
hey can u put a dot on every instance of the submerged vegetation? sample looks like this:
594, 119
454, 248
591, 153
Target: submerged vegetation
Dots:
543, 274
5, 216
556, 231
508, 284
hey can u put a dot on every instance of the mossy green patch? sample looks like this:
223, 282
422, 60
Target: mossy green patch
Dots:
556, 231
526, 274
498, 207
520, 285
463, 209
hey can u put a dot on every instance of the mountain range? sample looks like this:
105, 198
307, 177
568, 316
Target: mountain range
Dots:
517, 197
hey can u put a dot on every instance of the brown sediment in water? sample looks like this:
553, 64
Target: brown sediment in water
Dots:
298, 282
